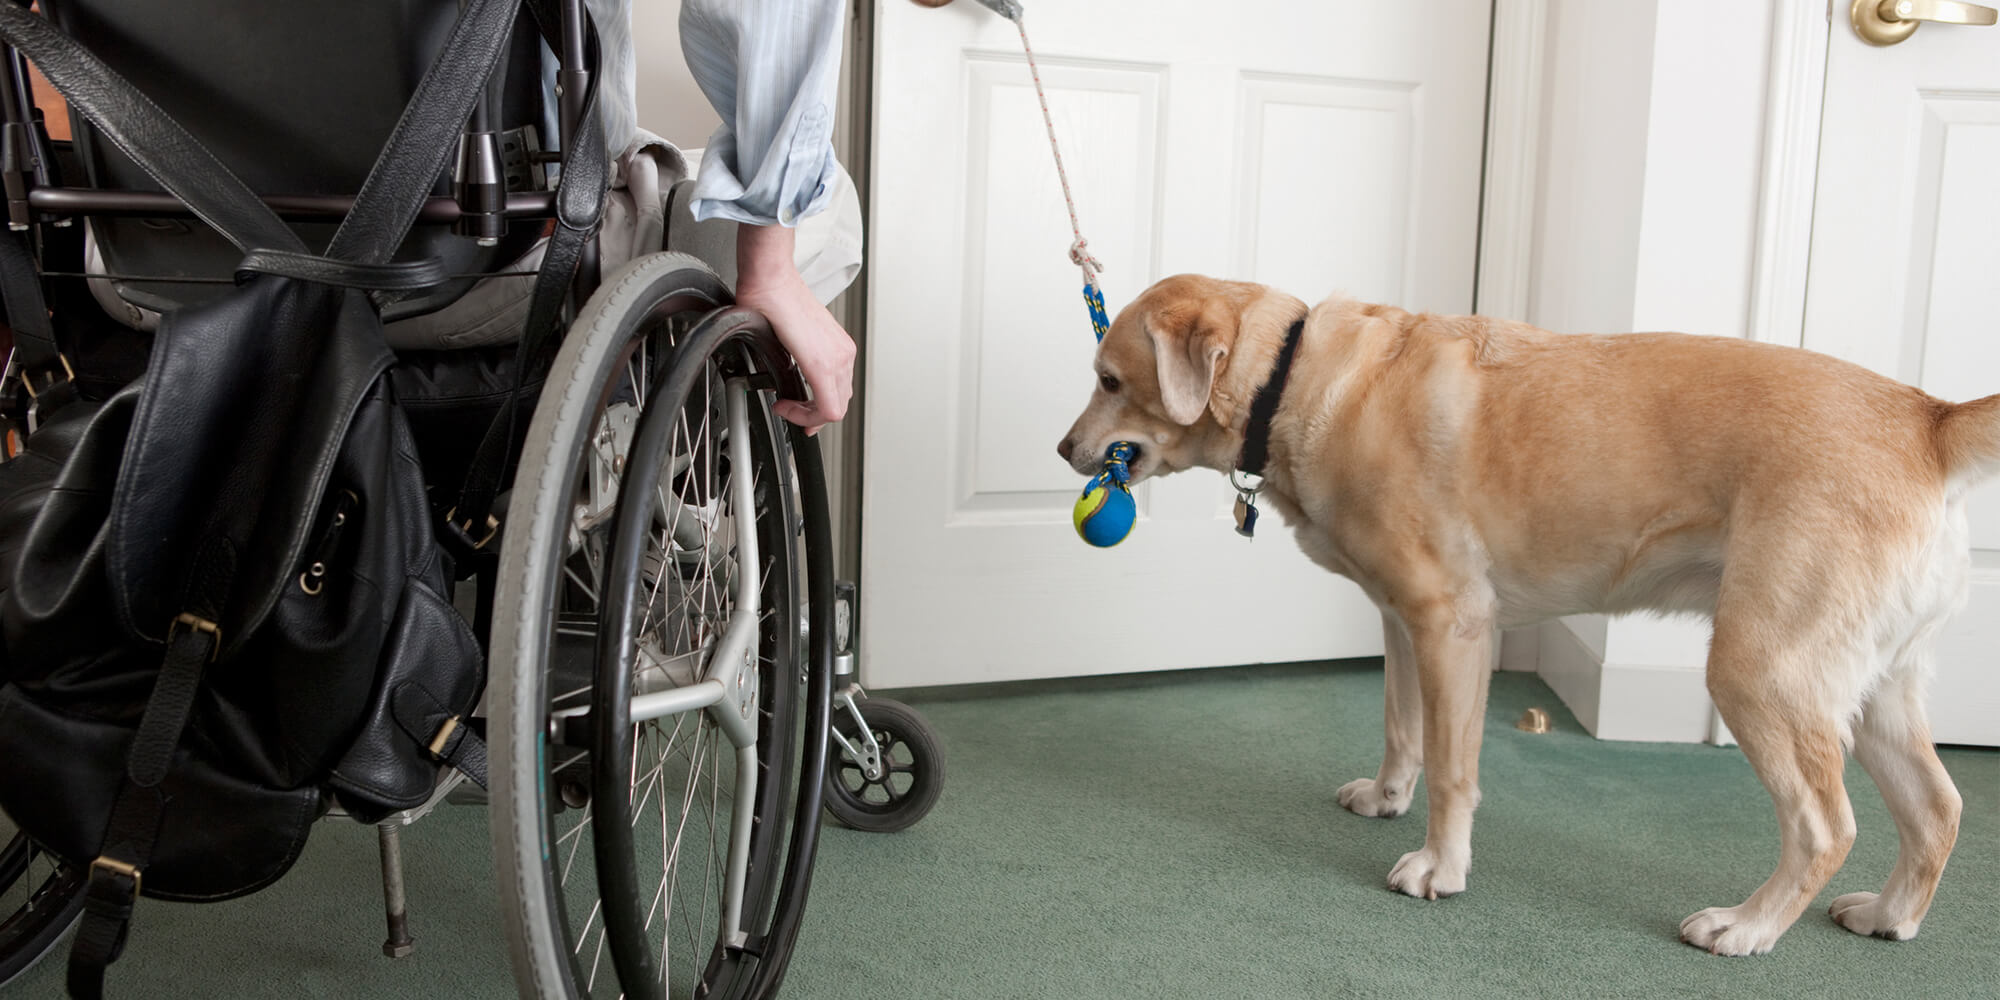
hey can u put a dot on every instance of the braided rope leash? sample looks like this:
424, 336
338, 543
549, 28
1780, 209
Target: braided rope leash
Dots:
1106, 512
1079, 251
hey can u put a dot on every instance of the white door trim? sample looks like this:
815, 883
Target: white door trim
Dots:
1514, 85
1799, 36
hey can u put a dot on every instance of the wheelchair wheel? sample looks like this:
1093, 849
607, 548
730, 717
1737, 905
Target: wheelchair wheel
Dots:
651, 686
40, 900
904, 783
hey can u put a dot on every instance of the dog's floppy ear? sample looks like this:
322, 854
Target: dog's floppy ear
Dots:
1191, 341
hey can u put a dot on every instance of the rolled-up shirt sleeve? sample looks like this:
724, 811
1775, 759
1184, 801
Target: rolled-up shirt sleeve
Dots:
771, 68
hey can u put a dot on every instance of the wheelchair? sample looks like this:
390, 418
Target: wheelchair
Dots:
654, 590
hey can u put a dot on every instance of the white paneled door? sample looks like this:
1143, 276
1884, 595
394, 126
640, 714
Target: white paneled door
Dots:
1905, 275
1317, 146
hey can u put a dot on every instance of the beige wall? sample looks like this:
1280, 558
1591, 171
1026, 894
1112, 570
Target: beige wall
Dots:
670, 105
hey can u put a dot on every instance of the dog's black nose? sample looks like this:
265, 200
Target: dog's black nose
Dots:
1066, 448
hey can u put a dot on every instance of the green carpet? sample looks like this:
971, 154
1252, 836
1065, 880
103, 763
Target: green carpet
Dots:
1176, 836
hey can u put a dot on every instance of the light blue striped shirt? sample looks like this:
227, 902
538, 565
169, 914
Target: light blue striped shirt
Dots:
771, 68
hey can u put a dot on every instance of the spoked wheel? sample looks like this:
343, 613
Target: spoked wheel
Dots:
653, 689
40, 900
892, 783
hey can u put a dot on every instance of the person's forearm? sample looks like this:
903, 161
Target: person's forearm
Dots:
768, 281
763, 257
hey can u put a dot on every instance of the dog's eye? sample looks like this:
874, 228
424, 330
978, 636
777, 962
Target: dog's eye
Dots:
1109, 382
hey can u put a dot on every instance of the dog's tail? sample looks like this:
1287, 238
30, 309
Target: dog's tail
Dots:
1968, 436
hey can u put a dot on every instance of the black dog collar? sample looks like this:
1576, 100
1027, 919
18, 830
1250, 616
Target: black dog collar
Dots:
1257, 433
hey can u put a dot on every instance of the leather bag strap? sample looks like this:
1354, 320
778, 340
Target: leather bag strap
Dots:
579, 204
447, 735
425, 137
27, 310
134, 828
44, 371
391, 276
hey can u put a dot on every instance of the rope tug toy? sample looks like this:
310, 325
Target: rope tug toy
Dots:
1105, 513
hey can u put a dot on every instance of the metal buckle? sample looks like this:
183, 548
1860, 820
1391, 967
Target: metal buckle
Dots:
198, 624
1236, 480
116, 867
444, 734
69, 375
492, 528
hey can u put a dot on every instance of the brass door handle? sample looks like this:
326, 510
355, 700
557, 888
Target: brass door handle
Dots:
1886, 22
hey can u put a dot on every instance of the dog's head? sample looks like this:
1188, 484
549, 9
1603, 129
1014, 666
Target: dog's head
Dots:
1158, 372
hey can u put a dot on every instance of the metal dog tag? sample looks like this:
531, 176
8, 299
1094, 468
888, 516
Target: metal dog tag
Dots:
1246, 514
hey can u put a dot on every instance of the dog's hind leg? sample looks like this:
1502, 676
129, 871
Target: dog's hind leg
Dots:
1390, 791
1893, 742
1766, 692
1451, 647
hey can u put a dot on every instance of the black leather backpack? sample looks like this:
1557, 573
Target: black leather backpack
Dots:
222, 597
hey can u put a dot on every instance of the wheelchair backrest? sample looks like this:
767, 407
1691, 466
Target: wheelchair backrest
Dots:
296, 97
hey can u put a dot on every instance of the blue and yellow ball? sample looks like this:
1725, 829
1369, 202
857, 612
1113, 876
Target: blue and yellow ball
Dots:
1105, 515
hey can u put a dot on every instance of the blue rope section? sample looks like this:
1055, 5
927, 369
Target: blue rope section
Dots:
1116, 471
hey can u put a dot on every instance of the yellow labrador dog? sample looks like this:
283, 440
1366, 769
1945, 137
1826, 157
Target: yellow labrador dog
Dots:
1473, 474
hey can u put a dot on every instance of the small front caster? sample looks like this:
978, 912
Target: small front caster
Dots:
886, 776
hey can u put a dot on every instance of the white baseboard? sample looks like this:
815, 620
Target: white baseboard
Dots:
1617, 701
1653, 705
1571, 669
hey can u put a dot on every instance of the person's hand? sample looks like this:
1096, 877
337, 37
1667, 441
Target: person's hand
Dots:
768, 281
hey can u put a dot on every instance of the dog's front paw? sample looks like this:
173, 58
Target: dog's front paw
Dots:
1725, 930
1423, 875
1364, 797
1863, 913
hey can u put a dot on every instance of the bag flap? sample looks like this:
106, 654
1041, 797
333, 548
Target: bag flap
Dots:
242, 413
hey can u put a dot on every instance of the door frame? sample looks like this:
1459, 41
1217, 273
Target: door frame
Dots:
1801, 33
1515, 82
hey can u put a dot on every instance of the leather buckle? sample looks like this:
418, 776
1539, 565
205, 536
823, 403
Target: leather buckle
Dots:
443, 736
116, 868
465, 530
196, 623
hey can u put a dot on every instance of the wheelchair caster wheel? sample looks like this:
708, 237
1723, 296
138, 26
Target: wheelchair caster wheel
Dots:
909, 774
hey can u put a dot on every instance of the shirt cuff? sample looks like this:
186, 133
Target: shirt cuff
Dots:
803, 190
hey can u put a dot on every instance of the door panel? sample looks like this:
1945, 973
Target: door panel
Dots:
1902, 277
1317, 147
